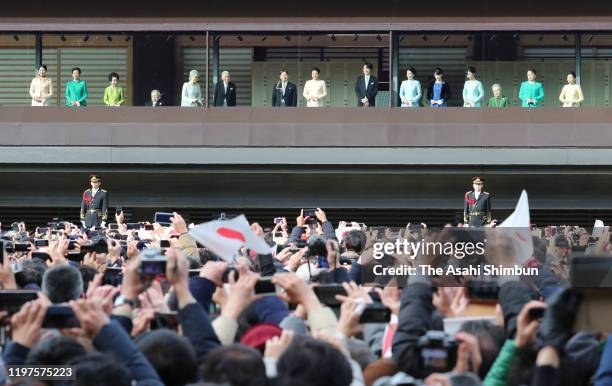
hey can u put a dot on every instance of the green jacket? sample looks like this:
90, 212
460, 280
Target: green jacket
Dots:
76, 91
498, 373
530, 90
499, 103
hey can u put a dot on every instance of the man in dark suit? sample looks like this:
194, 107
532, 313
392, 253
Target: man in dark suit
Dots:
225, 92
284, 93
155, 99
366, 87
477, 208
94, 205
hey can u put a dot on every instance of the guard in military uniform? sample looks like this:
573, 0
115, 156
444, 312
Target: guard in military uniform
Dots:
477, 208
94, 206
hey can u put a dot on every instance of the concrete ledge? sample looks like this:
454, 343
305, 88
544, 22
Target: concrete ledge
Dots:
342, 157
303, 127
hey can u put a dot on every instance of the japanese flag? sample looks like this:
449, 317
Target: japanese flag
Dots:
226, 237
518, 226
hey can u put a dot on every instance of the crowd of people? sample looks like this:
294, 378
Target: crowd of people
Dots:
200, 319
284, 93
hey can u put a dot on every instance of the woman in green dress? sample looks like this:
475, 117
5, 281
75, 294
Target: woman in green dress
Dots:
76, 90
498, 100
531, 92
113, 94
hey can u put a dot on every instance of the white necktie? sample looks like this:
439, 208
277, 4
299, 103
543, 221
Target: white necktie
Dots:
367, 79
284, 85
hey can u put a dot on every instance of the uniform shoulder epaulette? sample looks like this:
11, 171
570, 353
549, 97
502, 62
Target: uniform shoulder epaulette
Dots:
103, 190
487, 193
468, 192
87, 190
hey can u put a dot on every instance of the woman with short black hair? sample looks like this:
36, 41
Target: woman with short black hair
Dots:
41, 88
315, 90
473, 93
410, 90
438, 91
113, 94
76, 90
571, 94
531, 92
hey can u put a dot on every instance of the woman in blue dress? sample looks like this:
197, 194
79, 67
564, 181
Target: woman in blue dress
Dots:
438, 91
410, 90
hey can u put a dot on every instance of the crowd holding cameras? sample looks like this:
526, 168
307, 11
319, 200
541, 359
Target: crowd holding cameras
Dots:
136, 303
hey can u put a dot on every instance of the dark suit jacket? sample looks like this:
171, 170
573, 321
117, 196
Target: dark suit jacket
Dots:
220, 94
290, 96
445, 94
159, 103
370, 92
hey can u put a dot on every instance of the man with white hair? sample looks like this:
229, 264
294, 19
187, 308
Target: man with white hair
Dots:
225, 91
155, 99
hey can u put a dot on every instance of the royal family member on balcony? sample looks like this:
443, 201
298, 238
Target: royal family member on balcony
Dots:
155, 99
571, 94
410, 90
473, 93
438, 91
41, 88
76, 90
531, 92
192, 94
315, 90
284, 93
498, 100
366, 87
113, 94
225, 91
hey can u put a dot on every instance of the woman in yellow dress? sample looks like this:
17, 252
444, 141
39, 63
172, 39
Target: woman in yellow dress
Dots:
41, 88
571, 94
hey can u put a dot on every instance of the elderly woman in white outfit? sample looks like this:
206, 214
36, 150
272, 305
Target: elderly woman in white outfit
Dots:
192, 94
315, 90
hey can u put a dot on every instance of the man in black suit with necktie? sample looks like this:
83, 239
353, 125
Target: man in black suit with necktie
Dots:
155, 99
284, 93
225, 92
366, 87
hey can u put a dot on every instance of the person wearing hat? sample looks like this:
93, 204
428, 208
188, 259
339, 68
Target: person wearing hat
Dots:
94, 206
477, 208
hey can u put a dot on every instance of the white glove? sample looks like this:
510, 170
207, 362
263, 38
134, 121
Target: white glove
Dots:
103, 224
